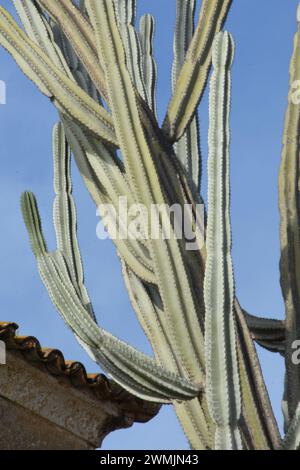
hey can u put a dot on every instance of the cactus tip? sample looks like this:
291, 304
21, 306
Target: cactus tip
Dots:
223, 49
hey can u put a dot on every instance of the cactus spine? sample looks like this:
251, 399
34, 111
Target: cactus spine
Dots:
100, 73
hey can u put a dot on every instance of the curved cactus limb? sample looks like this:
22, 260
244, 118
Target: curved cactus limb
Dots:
188, 146
268, 333
33, 224
193, 76
149, 68
64, 213
193, 414
289, 229
133, 370
258, 421
151, 317
126, 13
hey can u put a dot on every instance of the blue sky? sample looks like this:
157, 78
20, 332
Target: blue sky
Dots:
263, 31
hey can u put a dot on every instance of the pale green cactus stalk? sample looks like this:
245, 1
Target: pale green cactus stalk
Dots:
188, 146
292, 438
99, 71
222, 377
289, 231
149, 69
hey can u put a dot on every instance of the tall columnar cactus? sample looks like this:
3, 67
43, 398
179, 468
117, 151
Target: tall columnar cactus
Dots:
289, 231
99, 71
222, 377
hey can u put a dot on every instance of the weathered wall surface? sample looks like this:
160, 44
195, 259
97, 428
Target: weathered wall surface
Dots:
40, 411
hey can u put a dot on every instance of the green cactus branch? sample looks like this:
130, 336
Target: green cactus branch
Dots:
149, 68
259, 424
222, 375
192, 79
188, 147
292, 438
268, 333
289, 230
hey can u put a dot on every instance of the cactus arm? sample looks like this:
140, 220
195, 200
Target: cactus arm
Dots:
183, 34
64, 213
65, 93
178, 301
140, 373
152, 319
193, 414
149, 68
126, 13
289, 228
188, 147
222, 375
80, 34
268, 333
292, 437
258, 416
137, 372
33, 224
193, 76
257, 423
271, 344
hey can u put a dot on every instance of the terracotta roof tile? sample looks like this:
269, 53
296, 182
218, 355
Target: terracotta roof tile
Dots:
53, 361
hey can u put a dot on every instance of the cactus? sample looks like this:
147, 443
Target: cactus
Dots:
100, 73
289, 231
222, 377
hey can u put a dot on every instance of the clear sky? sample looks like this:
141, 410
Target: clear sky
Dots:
263, 31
